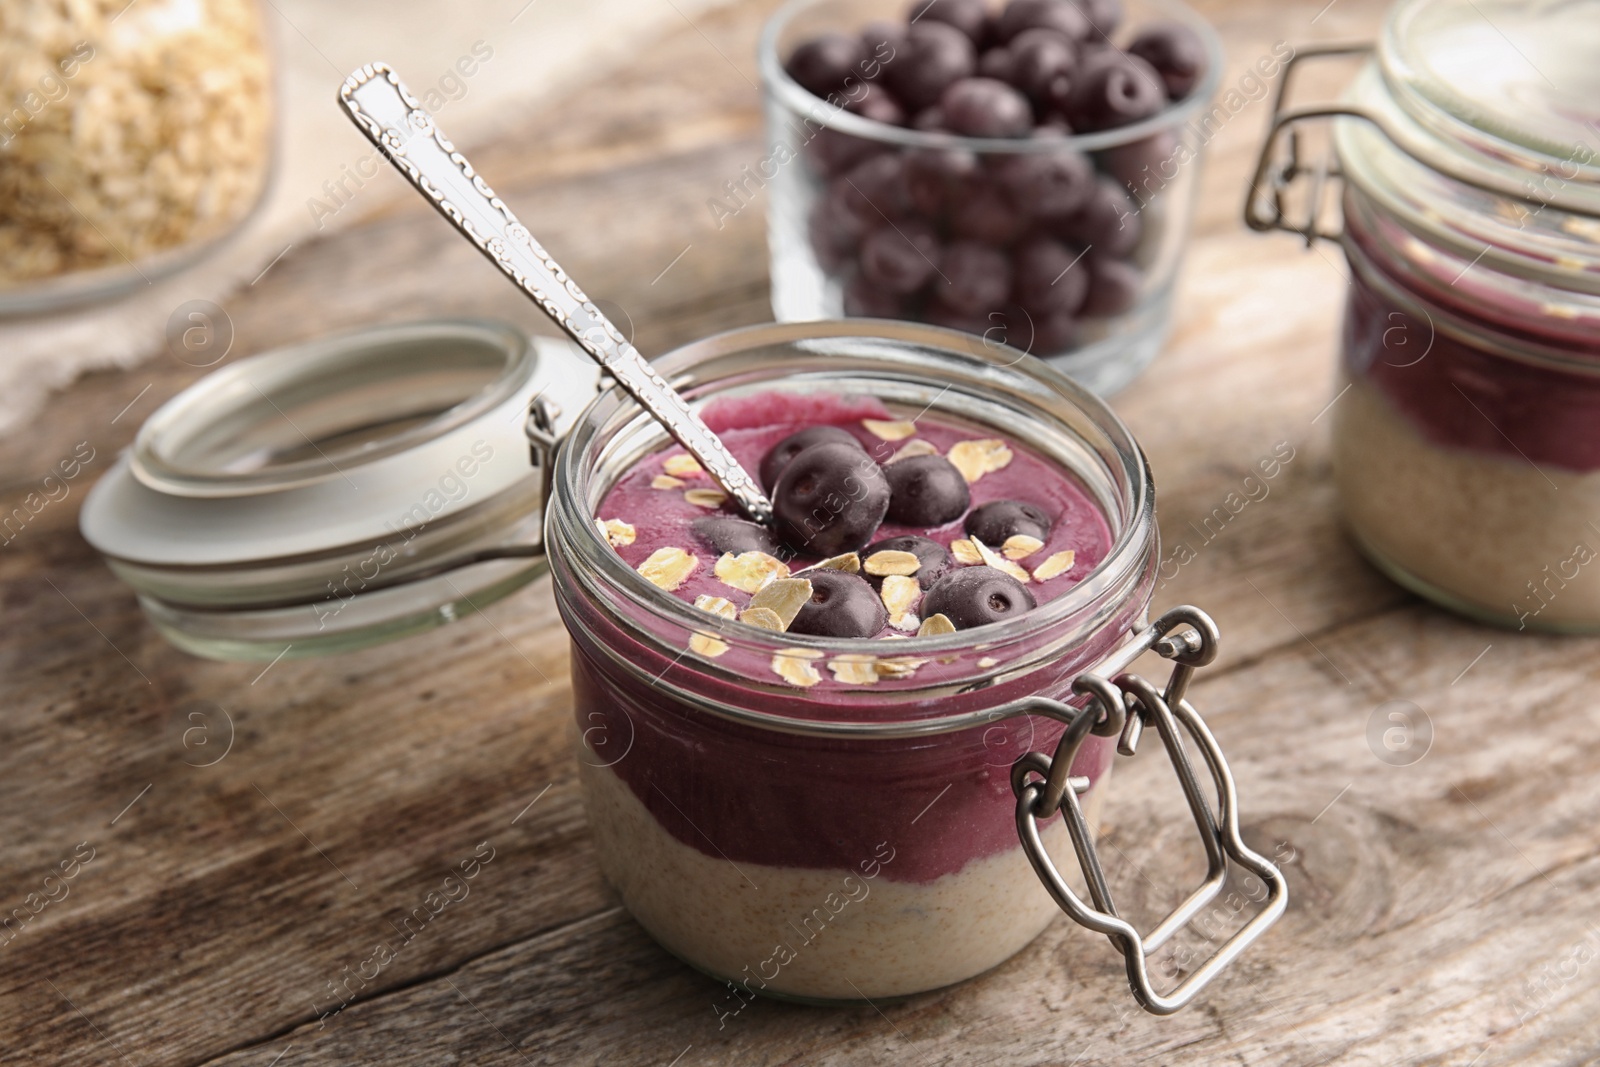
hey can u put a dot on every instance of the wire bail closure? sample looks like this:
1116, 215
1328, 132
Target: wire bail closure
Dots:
1124, 708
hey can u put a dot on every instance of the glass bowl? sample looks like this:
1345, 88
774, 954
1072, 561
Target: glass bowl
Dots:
1121, 259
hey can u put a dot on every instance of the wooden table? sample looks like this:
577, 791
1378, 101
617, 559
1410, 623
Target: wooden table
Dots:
1442, 912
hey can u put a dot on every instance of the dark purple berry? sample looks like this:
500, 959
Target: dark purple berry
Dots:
822, 64
1104, 17
727, 534
933, 556
937, 176
1177, 54
874, 102
1012, 326
831, 152
863, 300
835, 232
971, 17
985, 214
831, 498
935, 56
841, 605
936, 313
976, 278
1058, 15
875, 191
884, 41
997, 520
1046, 185
984, 107
999, 64
900, 258
1114, 286
976, 596
1145, 166
925, 491
1054, 332
1050, 276
929, 120
1044, 61
1108, 223
1113, 89
781, 454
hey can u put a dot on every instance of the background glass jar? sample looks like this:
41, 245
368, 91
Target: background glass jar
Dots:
138, 136
1466, 431
855, 837
1095, 298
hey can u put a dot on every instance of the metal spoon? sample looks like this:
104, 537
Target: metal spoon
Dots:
396, 122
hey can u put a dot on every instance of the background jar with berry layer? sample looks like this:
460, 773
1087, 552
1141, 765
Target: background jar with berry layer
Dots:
1466, 427
1025, 172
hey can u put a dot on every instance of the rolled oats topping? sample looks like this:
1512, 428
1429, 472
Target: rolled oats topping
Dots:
1057, 564
669, 567
617, 532
796, 666
974, 459
1020, 546
765, 618
913, 448
749, 571
991, 558
716, 605
966, 552
890, 562
682, 465
706, 498
855, 669
890, 430
900, 594
784, 597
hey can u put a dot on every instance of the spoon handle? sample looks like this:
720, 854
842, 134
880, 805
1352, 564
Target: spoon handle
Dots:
394, 120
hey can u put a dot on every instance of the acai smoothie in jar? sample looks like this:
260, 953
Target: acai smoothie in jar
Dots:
823, 757
1466, 425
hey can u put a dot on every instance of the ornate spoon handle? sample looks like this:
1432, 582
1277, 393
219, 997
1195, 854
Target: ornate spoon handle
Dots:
394, 120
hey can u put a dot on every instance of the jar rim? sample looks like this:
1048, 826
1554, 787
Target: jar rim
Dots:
775, 79
571, 527
1460, 103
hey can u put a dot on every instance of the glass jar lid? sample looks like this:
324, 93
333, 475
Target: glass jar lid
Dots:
1500, 97
385, 471
1517, 83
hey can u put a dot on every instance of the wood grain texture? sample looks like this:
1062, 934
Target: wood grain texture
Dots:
1442, 913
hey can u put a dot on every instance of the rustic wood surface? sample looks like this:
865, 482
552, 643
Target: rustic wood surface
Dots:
1442, 912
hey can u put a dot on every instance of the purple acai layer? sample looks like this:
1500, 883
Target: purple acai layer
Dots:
751, 426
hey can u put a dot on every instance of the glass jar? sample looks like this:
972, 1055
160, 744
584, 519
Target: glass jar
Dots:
1466, 429
1119, 256
139, 136
849, 839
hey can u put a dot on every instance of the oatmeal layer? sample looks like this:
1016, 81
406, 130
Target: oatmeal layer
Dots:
1506, 539
836, 934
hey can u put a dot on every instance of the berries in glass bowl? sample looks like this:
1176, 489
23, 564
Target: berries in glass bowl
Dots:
1022, 171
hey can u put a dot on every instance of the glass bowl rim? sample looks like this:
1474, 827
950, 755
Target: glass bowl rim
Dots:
802, 101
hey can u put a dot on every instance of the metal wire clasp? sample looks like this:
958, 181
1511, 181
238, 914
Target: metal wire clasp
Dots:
1124, 708
1264, 201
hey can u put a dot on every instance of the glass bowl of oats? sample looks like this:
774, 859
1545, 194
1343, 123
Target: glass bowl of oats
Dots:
136, 139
